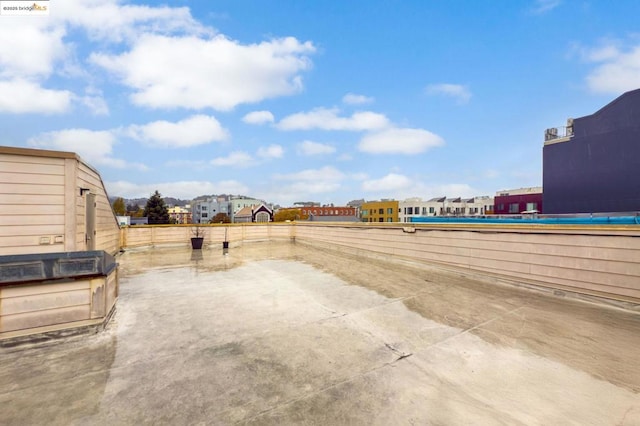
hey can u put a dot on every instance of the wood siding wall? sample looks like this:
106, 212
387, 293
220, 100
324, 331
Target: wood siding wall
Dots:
107, 228
159, 235
38, 305
41, 208
598, 261
32, 204
33, 308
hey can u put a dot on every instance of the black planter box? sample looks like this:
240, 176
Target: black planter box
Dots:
196, 243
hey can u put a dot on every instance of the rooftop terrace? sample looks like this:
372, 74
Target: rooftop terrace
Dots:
281, 333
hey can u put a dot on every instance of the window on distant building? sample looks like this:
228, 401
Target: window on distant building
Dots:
432, 210
514, 208
416, 210
390, 210
424, 210
204, 208
380, 211
389, 219
205, 215
501, 207
381, 219
409, 210
532, 206
365, 212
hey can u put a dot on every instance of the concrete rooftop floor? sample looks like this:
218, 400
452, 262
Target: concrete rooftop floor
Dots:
279, 333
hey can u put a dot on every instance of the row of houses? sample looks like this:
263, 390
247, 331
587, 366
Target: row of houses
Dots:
205, 209
243, 209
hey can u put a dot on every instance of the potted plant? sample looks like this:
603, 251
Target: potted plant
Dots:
198, 237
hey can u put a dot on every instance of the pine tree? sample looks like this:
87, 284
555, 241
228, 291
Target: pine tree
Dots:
156, 210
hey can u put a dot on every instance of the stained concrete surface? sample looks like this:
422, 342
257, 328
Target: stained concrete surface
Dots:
279, 333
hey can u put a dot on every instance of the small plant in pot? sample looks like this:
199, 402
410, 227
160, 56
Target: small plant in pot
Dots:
198, 237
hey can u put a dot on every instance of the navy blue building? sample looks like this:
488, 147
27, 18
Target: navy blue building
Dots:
593, 165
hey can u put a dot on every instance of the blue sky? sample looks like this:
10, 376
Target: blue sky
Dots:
311, 100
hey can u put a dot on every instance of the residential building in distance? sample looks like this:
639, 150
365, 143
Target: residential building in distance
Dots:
180, 214
443, 206
238, 203
257, 213
379, 211
331, 214
203, 210
516, 201
593, 164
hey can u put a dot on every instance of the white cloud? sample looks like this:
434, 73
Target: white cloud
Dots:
115, 22
271, 151
326, 173
214, 73
451, 190
30, 47
618, 70
314, 148
34, 49
235, 159
401, 187
328, 119
181, 189
460, 93
96, 147
20, 96
543, 6
353, 99
359, 176
192, 131
391, 182
258, 117
310, 181
399, 141
94, 101
601, 53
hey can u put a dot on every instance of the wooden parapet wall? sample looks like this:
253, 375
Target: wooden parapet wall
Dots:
599, 261
602, 261
176, 235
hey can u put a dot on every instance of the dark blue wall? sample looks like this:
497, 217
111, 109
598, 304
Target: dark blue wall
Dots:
598, 170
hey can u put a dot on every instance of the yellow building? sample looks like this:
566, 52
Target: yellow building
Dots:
380, 211
180, 214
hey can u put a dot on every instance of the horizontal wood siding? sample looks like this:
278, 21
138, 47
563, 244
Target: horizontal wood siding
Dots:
108, 230
157, 235
601, 261
38, 305
31, 204
600, 264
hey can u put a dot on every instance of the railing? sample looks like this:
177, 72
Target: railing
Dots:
558, 133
